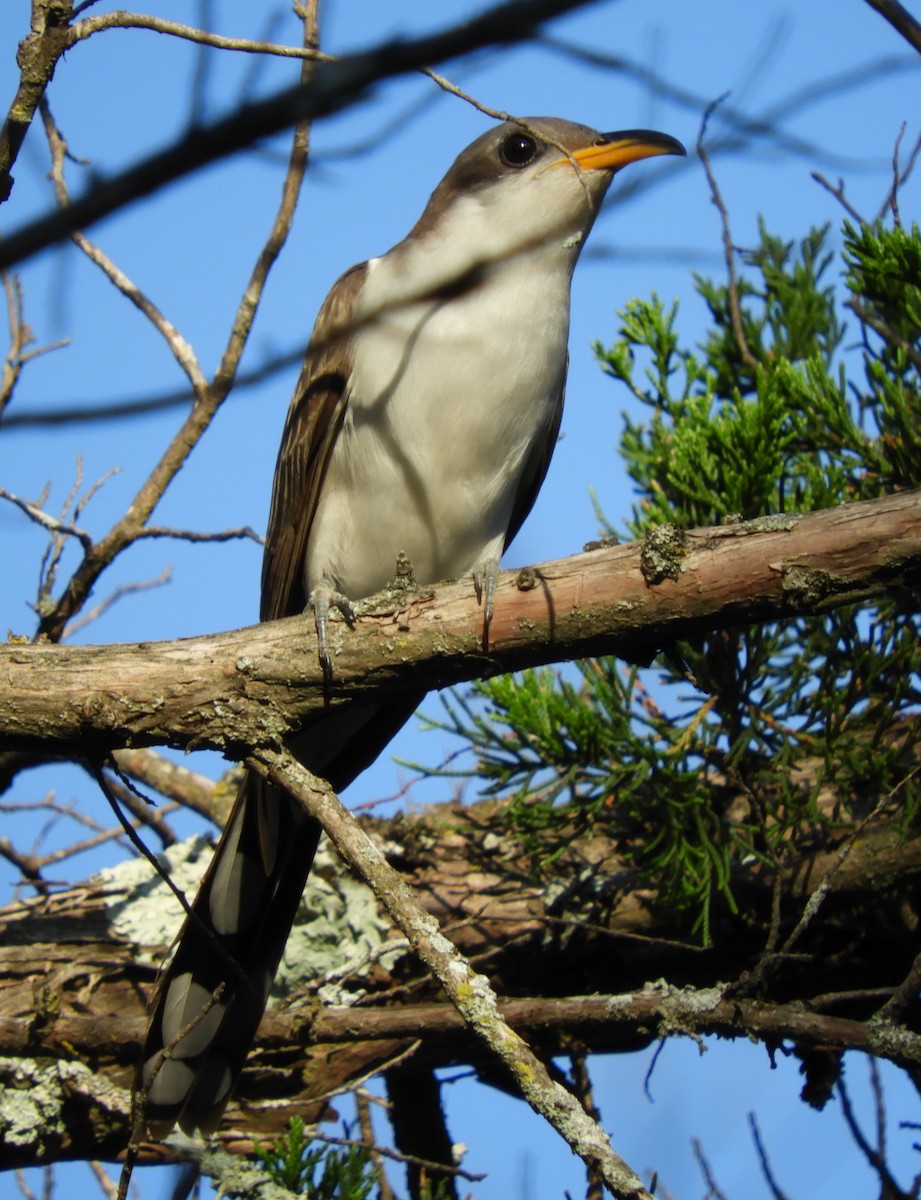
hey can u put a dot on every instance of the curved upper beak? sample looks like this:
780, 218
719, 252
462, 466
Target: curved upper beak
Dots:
616, 150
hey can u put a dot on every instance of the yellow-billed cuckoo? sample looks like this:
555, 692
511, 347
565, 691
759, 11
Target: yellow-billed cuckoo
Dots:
422, 423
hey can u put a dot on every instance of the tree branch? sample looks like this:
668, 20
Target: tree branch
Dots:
87, 26
208, 396
38, 56
76, 967
236, 691
333, 86
468, 991
900, 19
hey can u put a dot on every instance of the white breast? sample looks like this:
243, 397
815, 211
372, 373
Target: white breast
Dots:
448, 396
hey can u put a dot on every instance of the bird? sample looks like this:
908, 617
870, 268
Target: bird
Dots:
422, 424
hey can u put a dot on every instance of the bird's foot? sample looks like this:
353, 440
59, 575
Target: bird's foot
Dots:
485, 579
322, 598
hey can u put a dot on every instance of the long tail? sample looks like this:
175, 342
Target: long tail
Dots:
228, 953
216, 986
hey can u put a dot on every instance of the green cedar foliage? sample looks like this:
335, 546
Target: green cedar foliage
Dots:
724, 751
316, 1170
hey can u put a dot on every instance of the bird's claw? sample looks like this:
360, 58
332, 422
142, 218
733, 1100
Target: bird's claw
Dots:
322, 598
485, 580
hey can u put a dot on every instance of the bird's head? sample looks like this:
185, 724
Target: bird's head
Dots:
534, 181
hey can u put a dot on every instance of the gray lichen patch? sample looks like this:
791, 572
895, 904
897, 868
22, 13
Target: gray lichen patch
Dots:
339, 927
805, 587
663, 553
141, 906
33, 1093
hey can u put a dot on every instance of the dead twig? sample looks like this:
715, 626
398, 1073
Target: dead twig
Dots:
53, 524
838, 193
363, 1109
191, 535
125, 589
469, 993
87, 26
714, 1191
187, 788
776, 1191
900, 176
208, 398
20, 339
180, 348
875, 1155
735, 311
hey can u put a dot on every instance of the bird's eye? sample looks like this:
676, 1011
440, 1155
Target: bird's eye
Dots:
518, 150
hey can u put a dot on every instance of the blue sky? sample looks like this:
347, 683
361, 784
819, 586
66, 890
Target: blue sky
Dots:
122, 94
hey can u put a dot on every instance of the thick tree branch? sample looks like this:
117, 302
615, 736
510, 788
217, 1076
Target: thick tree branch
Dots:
76, 967
240, 690
38, 56
73, 979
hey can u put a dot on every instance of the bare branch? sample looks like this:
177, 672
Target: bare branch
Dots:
334, 86
134, 838
626, 1020
31, 865
37, 514
875, 1155
714, 1192
20, 339
900, 19
208, 398
123, 590
582, 1086
38, 56
365, 1124
453, 90
181, 350
124, 20
729, 252
146, 814
188, 788
395, 1156
470, 993
28, 865
899, 176
108, 1187
776, 1190
191, 535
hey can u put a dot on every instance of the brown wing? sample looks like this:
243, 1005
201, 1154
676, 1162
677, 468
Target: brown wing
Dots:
316, 413
535, 469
